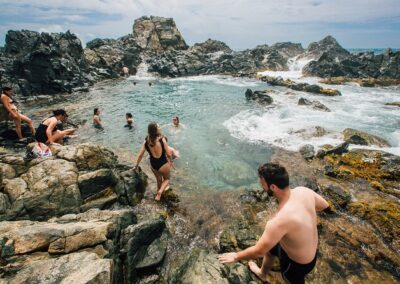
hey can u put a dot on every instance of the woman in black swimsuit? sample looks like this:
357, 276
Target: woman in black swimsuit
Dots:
48, 133
160, 157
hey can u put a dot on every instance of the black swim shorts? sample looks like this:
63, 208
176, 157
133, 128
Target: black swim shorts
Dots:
292, 272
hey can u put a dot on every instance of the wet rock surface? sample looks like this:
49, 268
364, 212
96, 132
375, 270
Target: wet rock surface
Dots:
354, 136
305, 87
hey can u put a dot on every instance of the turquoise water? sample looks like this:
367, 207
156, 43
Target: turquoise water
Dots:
225, 137
210, 156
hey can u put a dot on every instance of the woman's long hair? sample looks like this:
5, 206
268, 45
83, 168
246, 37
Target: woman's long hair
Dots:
152, 131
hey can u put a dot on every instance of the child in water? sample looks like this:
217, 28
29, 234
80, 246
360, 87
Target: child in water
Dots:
129, 120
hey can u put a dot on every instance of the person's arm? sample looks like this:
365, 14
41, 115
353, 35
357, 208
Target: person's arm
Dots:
168, 152
7, 106
49, 130
140, 156
273, 233
320, 203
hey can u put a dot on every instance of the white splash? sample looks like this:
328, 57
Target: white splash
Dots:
287, 124
295, 65
142, 72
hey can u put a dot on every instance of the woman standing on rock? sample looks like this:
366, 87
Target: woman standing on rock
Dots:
48, 133
160, 157
9, 105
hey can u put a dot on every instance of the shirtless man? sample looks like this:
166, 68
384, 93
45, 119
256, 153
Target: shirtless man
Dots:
291, 234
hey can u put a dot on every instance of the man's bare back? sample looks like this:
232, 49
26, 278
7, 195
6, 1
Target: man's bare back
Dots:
299, 217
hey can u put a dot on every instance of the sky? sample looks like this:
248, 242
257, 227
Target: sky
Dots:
239, 23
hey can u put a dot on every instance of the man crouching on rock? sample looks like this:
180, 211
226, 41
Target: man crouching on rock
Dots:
291, 234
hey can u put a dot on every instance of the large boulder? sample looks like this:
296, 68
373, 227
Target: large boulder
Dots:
24, 243
157, 34
77, 178
261, 97
354, 136
372, 69
143, 247
46, 63
46, 189
204, 267
327, 45
87, 156
82, 268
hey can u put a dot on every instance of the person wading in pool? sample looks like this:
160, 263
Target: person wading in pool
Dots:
291, 234
160, 157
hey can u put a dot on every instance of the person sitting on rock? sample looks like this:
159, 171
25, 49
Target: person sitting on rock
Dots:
48, 132
291, 234
96, 119
10, 107
129, 120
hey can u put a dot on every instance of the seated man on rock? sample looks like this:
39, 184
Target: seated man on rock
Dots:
291, 234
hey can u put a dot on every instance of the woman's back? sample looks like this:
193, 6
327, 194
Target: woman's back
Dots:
156, 148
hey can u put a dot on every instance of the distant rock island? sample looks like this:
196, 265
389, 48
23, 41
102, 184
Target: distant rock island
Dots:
43, 63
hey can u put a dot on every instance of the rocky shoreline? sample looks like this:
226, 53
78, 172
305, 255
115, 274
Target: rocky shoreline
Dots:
82, 216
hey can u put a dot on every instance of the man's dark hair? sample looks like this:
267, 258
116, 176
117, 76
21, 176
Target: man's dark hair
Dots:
60, 112
274, 174
95, 110
5, 89
129, 115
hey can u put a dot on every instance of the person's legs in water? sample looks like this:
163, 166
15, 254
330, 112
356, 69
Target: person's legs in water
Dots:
263, 271
165, 173
29, 121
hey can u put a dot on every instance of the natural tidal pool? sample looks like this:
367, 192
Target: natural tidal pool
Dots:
225, 138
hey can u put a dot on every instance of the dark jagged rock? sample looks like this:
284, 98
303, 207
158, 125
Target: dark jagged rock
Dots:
338, 150
307, 151
305, 87
261, 97
214, 57
333, 61
354, 136
108, 56
45, 63
315, 104
328, 46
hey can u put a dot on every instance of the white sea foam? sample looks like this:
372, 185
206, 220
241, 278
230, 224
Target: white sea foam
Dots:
295, 65
219, 79
282, 125
142, 73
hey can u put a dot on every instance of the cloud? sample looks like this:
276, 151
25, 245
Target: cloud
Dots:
240, 23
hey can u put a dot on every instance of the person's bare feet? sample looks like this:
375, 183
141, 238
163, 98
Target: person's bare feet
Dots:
158, 196
257, 271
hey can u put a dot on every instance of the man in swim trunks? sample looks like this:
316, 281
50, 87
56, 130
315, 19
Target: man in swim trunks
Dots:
291, 234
